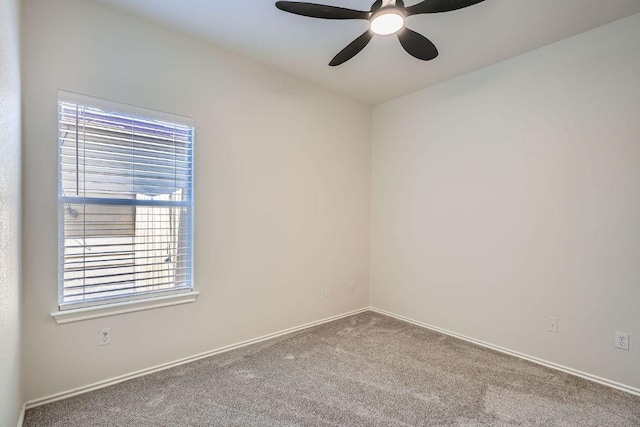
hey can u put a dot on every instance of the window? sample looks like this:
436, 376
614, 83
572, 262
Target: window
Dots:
125, 192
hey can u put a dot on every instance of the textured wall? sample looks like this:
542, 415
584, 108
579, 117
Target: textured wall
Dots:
10, 388
282, 180
512, 194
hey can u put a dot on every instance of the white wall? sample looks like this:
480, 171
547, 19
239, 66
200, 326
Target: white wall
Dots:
10, 382
282, 192
512, 194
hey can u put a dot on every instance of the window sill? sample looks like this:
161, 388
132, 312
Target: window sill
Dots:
78, 314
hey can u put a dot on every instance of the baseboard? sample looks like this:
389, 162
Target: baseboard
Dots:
112, 381
585, 375
21, 416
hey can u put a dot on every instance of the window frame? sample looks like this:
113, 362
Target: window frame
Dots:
104, 306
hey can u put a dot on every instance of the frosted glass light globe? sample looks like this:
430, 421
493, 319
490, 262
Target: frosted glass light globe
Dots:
387, 23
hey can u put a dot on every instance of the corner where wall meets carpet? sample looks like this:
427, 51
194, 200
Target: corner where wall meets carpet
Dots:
363, 370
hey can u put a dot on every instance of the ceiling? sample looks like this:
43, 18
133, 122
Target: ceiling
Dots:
468, 39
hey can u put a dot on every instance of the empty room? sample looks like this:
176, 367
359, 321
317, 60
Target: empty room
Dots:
334, 213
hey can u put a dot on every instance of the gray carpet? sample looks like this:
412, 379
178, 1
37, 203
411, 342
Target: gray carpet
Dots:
364, 370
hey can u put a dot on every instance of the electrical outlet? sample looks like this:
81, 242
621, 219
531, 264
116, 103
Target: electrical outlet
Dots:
327, 291
622, 340
104, 336
553, 324
352, 287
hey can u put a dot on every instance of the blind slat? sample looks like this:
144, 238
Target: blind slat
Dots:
133, 290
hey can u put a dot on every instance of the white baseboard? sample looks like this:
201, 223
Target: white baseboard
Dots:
21, 417
109, 382
585, 375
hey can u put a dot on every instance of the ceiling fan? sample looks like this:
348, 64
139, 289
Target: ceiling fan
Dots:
386, 17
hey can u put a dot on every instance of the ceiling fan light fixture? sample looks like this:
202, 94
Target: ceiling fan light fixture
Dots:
385, 17
386, 23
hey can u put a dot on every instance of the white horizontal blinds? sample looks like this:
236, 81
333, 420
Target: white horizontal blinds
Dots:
125, 191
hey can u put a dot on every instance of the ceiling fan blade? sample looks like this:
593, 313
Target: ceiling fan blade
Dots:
321, 11
352, 49
377, 5
436, 6
417, 45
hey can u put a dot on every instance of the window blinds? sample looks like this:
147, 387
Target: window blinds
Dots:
126, 205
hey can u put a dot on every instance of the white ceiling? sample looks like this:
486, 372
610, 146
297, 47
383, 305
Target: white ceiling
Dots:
467, 39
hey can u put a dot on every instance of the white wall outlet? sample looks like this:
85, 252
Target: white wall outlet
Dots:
352, 287
622, 340
104, 336
553, 324
327, 291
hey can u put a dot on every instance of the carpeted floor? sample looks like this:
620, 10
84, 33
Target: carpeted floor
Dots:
364, 370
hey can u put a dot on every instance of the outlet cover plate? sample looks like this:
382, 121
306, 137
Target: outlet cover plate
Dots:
104, 336
622, 340
553, 324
